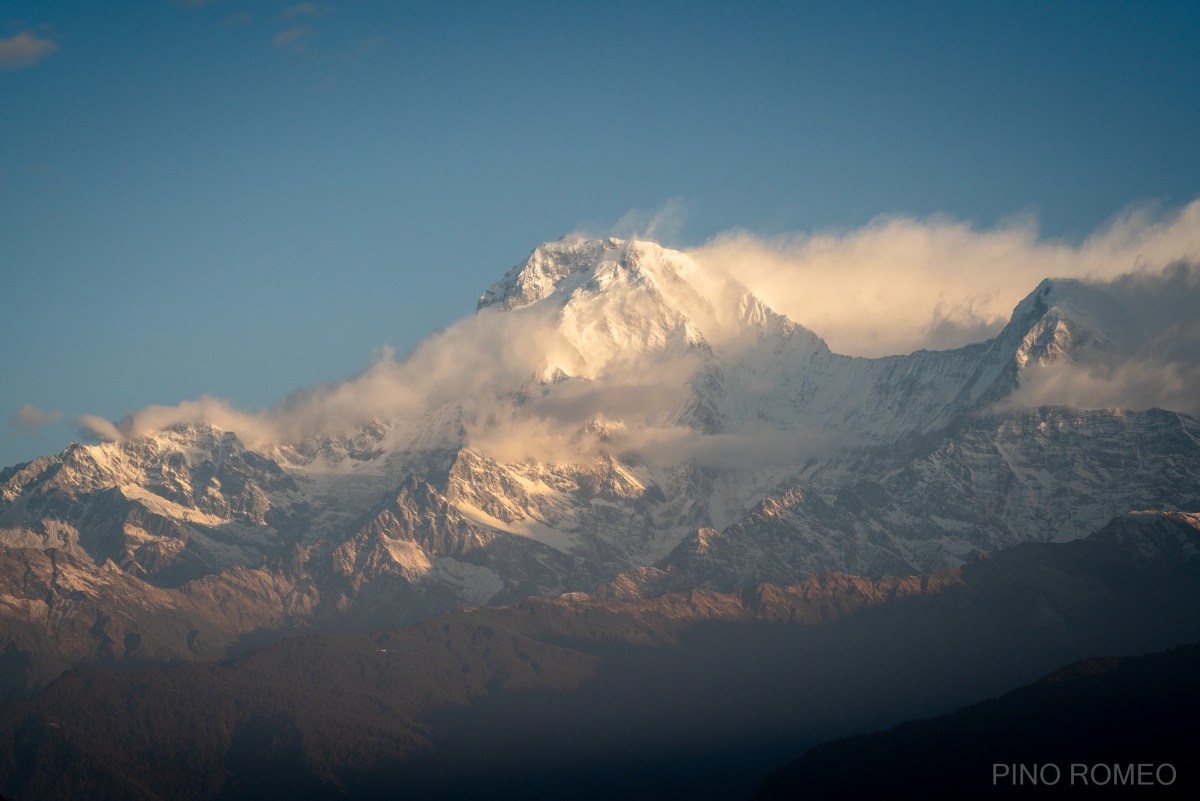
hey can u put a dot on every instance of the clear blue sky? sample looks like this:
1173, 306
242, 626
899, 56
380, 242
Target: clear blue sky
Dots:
243, 197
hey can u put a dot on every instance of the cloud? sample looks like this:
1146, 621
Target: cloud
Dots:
29, 419
92, 427
306, 10
1129, 385
1156, 363
292, 36
237, 19
662, 225
24, 50
900, 284
614, 412
470, 359
754, 446
1158, 311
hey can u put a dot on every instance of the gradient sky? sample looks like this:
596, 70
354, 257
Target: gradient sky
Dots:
244, 197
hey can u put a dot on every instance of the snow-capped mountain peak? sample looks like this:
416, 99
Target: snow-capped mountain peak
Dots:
1067, 318
614, 300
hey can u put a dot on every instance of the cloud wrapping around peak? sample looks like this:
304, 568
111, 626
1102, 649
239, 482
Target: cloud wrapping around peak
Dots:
24, 50
473, 358
1156, 358
900, 284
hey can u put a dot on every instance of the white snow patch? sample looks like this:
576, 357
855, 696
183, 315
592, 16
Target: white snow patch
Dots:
161, 506
528, 528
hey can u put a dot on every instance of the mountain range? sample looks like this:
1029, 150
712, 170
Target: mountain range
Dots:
614, 422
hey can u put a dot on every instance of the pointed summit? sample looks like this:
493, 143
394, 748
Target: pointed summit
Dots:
548, 266
640, 293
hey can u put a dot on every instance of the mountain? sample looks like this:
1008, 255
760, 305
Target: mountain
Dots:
614, 420
1098, 727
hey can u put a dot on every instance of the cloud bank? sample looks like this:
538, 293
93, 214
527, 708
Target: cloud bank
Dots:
461, 359
901, 284
1129, 385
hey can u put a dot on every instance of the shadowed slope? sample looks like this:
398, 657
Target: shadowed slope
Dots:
695, 695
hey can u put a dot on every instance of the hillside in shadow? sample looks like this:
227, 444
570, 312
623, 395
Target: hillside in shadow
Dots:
695, 695
1074, 733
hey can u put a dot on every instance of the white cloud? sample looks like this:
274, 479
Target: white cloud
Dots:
92, 427
29, 419
1129, 385
900, 284
24, 50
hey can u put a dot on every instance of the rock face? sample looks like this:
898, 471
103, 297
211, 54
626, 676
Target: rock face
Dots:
624, 423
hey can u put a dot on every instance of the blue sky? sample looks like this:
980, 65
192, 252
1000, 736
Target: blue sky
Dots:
242, 197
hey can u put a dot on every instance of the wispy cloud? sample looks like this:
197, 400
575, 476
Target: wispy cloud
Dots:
29, 419
25, 50
662, 225
91, 426
238, 19
292, 37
